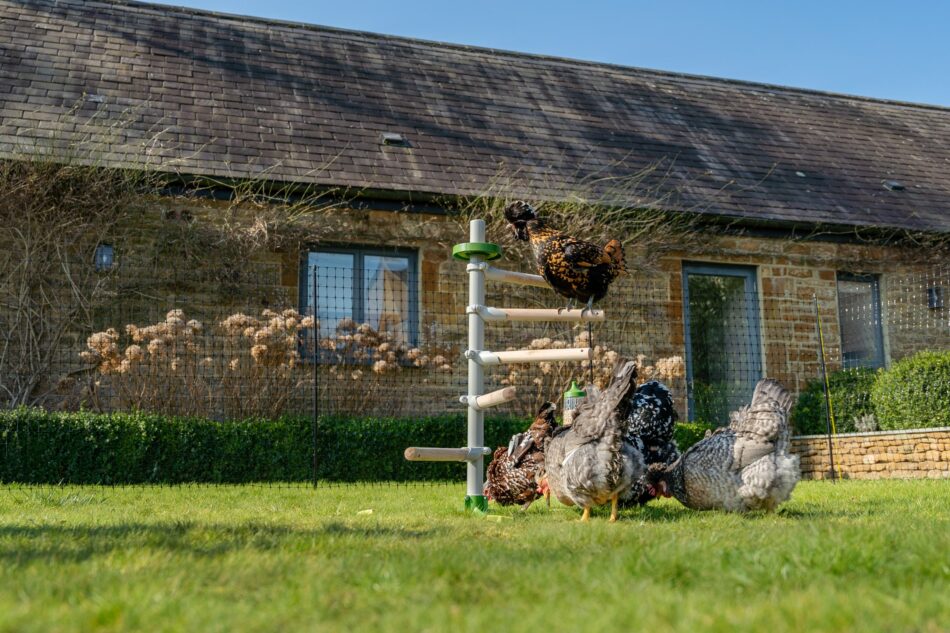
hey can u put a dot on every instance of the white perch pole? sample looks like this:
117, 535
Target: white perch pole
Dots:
511, 277
529, 356
422, 454
475, 480
489, 400
533, 314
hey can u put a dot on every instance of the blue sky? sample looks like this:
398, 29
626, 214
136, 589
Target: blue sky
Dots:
890, 50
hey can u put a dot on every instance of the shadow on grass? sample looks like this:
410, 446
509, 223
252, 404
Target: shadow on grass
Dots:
26, 543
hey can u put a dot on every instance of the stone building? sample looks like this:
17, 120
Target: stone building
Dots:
797, 196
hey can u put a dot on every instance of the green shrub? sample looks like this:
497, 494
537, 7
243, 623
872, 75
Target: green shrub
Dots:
688, 433
914, 393
132, 448
135, 448
850, 399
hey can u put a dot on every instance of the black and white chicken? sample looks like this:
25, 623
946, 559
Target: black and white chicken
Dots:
512, 475
592, 462
745, 466
651, 421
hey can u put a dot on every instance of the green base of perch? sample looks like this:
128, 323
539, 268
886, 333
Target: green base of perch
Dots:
477, 504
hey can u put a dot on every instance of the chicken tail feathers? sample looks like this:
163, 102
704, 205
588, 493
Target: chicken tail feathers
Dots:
770, 394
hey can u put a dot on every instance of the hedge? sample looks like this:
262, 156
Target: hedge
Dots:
132, 448
850, 398
914, 392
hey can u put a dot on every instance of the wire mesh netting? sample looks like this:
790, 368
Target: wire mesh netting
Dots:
365, 337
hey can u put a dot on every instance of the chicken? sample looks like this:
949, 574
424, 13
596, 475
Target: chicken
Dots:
514, 470
576, 269
651, 421
745, 466
590, 462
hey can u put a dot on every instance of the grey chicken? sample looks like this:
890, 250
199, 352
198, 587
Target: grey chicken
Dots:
591, 462
745, 466
651, 421
512, 475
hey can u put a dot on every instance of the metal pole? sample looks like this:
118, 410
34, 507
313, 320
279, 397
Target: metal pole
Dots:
475, 488
316, 373
590, 344
824, 376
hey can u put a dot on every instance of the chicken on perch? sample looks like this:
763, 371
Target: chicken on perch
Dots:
745, 466
591, 462
514, 470
651, 421
574, 268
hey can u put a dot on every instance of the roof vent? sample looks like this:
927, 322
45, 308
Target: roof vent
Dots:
893, 185
800, 174
394, 139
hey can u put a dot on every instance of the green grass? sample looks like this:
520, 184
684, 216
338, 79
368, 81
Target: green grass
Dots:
856, 556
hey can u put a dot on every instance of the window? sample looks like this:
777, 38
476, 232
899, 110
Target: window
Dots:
365, 285
104, 258
859, 315
723, 350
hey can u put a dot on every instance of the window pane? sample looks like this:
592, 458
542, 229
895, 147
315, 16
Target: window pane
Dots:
386, 295
724, 345
860, 316
334, 288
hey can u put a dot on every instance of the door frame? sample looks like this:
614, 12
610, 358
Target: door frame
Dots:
753, 315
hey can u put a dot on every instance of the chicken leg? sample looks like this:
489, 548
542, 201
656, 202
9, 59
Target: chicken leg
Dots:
613, 507
585, 518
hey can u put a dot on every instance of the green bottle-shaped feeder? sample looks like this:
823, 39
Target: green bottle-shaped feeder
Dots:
573, 398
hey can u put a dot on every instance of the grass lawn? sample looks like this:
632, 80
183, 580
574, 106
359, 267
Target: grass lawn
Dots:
856, 556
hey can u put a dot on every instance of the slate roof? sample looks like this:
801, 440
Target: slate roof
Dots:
218, 95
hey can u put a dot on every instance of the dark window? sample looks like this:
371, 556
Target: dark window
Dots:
723, 350
859, 315
375, 286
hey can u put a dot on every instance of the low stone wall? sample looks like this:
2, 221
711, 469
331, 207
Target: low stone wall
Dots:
913, 454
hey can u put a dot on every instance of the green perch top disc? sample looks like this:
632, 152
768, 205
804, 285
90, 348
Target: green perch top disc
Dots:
484, 249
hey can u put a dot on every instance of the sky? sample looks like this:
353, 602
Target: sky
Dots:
890, 50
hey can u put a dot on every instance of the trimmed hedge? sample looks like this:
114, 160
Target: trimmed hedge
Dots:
914, 393
688, 433
133, 448
850, 398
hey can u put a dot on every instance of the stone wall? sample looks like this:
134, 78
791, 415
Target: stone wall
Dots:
645, 308
913, 454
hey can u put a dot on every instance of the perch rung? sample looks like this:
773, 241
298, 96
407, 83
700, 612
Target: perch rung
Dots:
426, 454
511, 277
530, 356
489, 400
535, 314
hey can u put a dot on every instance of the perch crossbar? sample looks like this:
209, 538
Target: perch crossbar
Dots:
478, 253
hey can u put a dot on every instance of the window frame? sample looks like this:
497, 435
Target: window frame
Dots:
359, 252
880, 359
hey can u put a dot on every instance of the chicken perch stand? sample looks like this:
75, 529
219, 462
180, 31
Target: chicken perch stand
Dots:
477, 252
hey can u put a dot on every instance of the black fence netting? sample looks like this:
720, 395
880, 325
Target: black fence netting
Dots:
329, 375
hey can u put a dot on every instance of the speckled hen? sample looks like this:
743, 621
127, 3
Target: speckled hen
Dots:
652, 420
512, 476
745, 466
576, 269
591, 462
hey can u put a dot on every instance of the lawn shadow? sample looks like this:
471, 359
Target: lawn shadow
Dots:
25, 543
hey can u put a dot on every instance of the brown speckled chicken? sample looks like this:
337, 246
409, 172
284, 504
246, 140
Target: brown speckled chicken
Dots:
576, 269
514, 470
591, 462
745, 466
